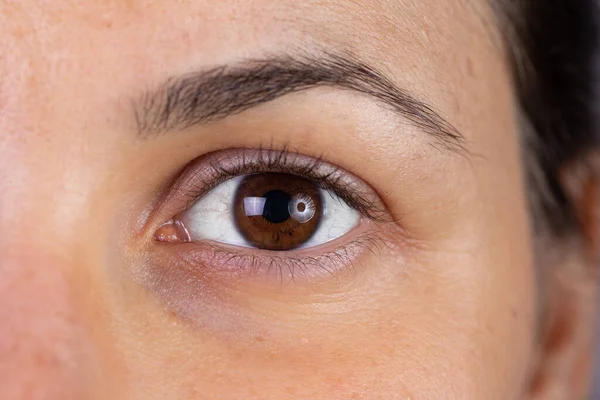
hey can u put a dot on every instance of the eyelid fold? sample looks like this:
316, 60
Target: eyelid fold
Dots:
206, 172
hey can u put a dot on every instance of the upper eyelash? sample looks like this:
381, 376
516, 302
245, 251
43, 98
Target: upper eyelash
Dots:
286, 161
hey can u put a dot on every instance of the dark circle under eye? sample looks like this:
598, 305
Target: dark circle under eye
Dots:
275, 211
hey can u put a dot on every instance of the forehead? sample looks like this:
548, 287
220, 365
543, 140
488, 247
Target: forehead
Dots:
225, 30
108, 51
207, 14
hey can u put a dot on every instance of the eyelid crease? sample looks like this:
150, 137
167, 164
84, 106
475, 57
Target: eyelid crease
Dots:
214, 168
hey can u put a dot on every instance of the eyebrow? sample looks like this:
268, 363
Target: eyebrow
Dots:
215, 94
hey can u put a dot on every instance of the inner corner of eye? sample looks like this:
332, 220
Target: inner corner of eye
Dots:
172, 231
267, 211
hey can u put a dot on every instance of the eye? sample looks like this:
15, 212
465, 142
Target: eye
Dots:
269, 211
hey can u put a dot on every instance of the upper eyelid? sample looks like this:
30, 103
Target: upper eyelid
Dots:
205, 173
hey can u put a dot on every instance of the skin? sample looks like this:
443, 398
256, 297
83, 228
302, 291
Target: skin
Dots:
449, 306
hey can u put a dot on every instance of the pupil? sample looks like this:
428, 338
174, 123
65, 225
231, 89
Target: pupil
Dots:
276, 206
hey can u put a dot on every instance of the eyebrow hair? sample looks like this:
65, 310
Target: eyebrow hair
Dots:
214, 94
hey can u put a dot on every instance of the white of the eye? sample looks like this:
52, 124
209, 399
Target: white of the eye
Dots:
211, 218
338, 219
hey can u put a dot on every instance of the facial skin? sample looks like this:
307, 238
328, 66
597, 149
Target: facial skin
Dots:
444, 304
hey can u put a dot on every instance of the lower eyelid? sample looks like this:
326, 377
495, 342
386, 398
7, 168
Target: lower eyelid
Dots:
208, 285
216, 261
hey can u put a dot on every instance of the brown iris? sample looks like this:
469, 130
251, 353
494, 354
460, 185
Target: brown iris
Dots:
275, 211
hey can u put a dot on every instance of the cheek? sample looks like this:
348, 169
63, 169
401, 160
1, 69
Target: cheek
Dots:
438, 325
44, 348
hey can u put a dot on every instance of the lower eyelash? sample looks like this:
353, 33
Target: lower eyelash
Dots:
213, 260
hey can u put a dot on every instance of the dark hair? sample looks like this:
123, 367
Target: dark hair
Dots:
553, 48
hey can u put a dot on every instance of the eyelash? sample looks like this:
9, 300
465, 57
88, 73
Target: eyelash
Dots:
325, 175
280, 267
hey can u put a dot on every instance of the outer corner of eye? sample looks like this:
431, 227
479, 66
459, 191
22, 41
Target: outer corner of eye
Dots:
267, 211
